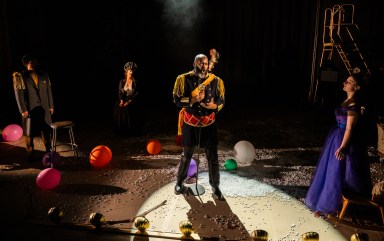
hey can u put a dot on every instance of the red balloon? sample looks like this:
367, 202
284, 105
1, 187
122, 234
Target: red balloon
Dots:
100, 156
48, 178
153, 147
12, 132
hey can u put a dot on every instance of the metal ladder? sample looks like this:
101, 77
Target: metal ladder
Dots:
337, 25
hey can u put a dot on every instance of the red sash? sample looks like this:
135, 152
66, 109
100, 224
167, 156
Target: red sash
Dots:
199, 120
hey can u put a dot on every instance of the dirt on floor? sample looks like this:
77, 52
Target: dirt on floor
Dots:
287, 143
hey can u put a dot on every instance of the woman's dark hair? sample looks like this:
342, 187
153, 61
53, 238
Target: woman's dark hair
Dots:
362, 80
26, 59
130, 65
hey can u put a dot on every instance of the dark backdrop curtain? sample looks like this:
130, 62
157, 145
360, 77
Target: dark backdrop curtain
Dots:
266, 47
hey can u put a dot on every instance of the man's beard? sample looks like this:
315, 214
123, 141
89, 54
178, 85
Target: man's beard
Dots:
200, 73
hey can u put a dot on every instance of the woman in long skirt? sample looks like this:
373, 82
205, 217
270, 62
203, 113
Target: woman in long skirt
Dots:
343, 166
126, 114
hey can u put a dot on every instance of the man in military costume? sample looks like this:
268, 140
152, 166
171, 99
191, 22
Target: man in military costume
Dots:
200, 95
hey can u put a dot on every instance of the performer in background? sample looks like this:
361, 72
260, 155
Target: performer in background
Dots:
34, 98
126, 115
343, 166
200, 94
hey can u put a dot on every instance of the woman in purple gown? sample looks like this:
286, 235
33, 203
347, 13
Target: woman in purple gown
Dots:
343, 166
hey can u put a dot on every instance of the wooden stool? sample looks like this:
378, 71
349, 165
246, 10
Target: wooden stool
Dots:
64, 125
360, 201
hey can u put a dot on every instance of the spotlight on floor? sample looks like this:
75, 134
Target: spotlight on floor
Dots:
310, 236
55, 215
360, 237
259, 235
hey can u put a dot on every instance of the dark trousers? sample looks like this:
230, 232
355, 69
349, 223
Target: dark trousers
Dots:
38, 127
213, 164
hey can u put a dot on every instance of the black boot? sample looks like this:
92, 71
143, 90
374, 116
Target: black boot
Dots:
213, 166
47, 141
183, 169
32, 156
179, 188
217, 193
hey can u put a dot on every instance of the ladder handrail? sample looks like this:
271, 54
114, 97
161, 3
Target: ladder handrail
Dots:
358, 50
338, 10
335, 19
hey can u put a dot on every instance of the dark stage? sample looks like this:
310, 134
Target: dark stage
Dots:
270, 51
270, 54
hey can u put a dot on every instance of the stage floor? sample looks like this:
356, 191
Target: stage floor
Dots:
266, 193
249, 205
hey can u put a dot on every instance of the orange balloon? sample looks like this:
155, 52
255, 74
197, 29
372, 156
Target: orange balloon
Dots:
153, 147
100, 156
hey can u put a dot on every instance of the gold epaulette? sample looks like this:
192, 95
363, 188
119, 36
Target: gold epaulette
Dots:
18, 81
178, 88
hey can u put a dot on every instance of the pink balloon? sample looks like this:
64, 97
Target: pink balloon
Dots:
12, 132
48, 178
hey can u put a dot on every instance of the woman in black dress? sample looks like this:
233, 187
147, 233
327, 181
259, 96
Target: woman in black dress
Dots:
126, 114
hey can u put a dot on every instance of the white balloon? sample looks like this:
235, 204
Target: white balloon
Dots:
244, 151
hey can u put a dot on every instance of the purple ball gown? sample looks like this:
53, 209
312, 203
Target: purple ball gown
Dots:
333, 177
